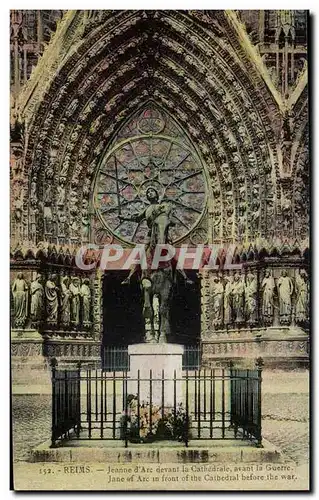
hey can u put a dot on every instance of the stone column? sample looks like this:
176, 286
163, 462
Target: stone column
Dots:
206, 324
98, 305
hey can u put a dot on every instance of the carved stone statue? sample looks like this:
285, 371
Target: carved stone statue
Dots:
47, 216
268, 286
302, 297
73, 202
61, 193
51, 296
238, 298
74, 228
251, 298
65, 302
75, 301
61, 223
37, 300
85, 220
20, 301
17, 209
228, 301
285, 291
33, 214
86, 302
217, 301
33, 191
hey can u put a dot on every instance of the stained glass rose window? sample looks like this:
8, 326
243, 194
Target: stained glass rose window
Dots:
150, 150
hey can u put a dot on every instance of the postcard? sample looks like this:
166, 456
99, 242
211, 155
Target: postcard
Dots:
159, 260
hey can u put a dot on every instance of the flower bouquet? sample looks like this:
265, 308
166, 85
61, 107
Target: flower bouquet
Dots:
145, 423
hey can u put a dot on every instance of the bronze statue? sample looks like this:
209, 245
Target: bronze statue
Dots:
156, 284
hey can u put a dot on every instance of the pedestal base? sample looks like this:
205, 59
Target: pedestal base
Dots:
29, 369
148, 363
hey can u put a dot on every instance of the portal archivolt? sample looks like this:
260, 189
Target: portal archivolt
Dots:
128, 59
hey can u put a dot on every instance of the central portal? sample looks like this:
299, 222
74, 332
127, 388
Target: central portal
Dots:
150, 193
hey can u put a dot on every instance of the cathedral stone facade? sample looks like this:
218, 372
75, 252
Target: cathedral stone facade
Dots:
211, 107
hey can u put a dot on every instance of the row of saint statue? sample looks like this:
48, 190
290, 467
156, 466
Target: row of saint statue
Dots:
235, 299
65, 302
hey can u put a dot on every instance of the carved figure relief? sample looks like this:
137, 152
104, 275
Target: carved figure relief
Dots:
65, 302
238, 289
20, 301
85, 220
51, 295
37, 300
268, 287
251, 298
228, 301
86, 302
302, 297
285, 291
61, 193
33, 191
217, 292
75, 300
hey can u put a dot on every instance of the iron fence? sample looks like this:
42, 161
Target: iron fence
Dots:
116, 358
246, 402
66, 403
192, 357
201, 404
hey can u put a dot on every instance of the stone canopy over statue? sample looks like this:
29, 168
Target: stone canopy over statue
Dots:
157, 284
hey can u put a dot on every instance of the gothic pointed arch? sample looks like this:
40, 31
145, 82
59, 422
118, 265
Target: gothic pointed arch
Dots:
198, 78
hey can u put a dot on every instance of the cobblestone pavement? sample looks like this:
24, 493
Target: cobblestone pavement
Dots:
285, 423
31, 422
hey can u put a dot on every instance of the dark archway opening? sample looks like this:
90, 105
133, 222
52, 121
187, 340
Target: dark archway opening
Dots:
186, 311
122, 310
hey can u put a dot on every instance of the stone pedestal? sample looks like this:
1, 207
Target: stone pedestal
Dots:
29, 368
152, 359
